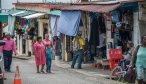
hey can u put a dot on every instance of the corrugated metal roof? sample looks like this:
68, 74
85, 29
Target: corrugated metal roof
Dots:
26, 13
92, 8
13, 11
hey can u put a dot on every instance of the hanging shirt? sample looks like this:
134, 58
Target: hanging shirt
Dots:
117, 37
102, 38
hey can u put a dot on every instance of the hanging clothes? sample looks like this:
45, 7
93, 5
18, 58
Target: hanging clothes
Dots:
57, 46
94, 35
53, 25
69, 22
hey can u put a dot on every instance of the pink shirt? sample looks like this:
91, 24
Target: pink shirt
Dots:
9, 45
47, 42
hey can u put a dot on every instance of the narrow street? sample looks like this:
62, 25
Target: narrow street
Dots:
58, 75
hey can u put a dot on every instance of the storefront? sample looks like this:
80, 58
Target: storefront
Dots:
24, 27
118, 26
122, 29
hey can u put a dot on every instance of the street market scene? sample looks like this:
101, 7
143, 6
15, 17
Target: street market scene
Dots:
72, 42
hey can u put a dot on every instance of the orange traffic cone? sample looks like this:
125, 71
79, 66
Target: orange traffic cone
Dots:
17, 79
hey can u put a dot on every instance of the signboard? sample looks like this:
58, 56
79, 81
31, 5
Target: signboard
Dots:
3, 17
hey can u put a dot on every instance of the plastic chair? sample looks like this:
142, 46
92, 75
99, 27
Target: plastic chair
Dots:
115, 55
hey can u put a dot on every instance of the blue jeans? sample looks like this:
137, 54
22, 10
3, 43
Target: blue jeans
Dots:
48, 65
77, 55
7, 59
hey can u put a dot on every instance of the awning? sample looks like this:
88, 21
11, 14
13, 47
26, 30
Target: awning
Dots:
3, 17
35, 15
92, 8
25, 13
15, 12
55, 12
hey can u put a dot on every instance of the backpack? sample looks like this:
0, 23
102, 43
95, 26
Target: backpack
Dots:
76, 45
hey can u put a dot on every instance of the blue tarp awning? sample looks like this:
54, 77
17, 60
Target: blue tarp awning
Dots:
69, 22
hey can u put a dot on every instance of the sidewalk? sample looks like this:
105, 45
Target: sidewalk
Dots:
87, 69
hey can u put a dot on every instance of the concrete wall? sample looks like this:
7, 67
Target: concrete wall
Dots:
7, 4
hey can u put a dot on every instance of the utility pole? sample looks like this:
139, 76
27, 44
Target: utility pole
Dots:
1, 29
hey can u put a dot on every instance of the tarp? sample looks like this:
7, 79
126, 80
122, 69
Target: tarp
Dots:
69, 22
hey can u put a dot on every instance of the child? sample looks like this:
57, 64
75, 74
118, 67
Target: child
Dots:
48, 58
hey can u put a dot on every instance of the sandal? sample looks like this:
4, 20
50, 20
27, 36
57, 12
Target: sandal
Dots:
37, 72
42, 72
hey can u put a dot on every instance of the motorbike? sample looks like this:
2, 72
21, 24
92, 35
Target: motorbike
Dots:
1, 64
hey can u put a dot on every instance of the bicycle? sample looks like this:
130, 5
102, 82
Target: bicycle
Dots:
120, 71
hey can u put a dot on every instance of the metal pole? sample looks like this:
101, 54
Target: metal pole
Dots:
0, 22
1, 30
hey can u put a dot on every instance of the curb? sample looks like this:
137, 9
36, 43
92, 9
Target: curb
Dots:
87, 73
22, 57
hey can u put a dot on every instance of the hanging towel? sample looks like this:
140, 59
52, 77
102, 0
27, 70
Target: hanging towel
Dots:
69, 22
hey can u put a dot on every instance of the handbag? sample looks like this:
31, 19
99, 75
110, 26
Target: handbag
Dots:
130, 75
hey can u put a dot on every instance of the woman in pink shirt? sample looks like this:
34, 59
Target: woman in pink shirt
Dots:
46, 41
40, 56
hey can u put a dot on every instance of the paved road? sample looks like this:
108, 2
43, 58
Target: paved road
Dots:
59, 75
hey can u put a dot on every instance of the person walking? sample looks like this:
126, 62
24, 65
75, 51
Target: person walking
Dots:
128, 55
49, 53
8, 50
78, 46
47, 41
139, 60
40, 55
